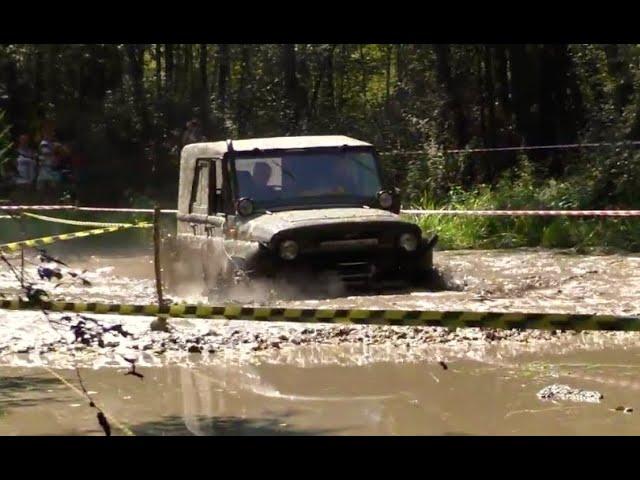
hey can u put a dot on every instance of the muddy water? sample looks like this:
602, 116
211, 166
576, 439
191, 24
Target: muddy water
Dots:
310, 379
469, 398
512, 280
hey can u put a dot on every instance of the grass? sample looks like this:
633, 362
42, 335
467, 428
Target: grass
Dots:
467, 232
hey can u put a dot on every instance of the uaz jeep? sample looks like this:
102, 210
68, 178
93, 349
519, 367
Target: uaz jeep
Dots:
275, 207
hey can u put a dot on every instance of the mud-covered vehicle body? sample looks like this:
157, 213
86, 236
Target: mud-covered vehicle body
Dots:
275, 207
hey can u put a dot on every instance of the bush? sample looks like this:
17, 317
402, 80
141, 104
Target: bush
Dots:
522, 191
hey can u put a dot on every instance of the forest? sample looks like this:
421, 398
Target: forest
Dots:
125, 106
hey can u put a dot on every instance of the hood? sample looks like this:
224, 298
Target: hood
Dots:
262, 228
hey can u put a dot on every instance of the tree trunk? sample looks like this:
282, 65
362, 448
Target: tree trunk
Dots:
525, 86
142, 166
188, 70
51, 66
490, 93
14, 115
203, 69
388, 75
224, 71
39, 84
400, 70
453, 103
363, 68
326, 69
158, 59
243, 107
619, 70
341, 74
482, 97
135, 57
502, 83
169, 79
329, 99
294, 97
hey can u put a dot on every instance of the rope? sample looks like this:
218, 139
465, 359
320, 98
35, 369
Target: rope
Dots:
480, 213
79, 209
512, 149
528, 213
75, 389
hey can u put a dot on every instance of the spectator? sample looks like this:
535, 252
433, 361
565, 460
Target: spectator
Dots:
48, 158
193, 133
25, 163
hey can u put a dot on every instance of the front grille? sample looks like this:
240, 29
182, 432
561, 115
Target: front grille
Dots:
348, 244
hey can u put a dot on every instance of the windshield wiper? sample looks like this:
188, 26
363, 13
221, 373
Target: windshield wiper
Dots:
286, 172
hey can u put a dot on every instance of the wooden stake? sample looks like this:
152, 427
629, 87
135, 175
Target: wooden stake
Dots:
156, 253
22, 268
160, 323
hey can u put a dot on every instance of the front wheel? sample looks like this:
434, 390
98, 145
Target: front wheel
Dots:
421, 272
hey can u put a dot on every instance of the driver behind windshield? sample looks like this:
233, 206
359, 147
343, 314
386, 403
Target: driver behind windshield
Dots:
342, 178
261, 188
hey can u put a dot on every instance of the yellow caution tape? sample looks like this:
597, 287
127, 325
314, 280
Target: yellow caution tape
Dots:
81, 223
37, 242
420, 318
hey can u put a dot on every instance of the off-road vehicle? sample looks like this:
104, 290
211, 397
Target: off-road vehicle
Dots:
279, 207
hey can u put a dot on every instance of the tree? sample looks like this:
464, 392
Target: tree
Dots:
120, 98
5, 144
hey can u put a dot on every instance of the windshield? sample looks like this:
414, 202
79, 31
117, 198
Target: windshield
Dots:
299, 178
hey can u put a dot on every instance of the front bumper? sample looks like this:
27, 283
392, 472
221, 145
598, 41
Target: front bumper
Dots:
351, 266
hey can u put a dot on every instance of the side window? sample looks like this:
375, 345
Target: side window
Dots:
199, 203
216, 191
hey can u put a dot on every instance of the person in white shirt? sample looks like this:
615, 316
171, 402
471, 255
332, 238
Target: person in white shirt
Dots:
25, 163
48, 174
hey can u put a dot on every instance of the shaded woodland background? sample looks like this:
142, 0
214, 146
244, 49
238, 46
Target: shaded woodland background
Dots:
127, 106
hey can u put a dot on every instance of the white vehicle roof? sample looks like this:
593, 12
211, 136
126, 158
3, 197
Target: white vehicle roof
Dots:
273, 143
191, 153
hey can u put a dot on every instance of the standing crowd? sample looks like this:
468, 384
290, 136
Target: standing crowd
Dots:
45, 170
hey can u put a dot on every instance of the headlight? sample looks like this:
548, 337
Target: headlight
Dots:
244, 207
385, 199
409, 242
288, 250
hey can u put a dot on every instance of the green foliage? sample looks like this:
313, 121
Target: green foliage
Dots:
127, 106
524, 192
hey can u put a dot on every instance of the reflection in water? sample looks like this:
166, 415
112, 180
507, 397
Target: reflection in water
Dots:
191, 401
373, 399
203, 396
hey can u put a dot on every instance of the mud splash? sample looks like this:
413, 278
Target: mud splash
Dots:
520, 280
